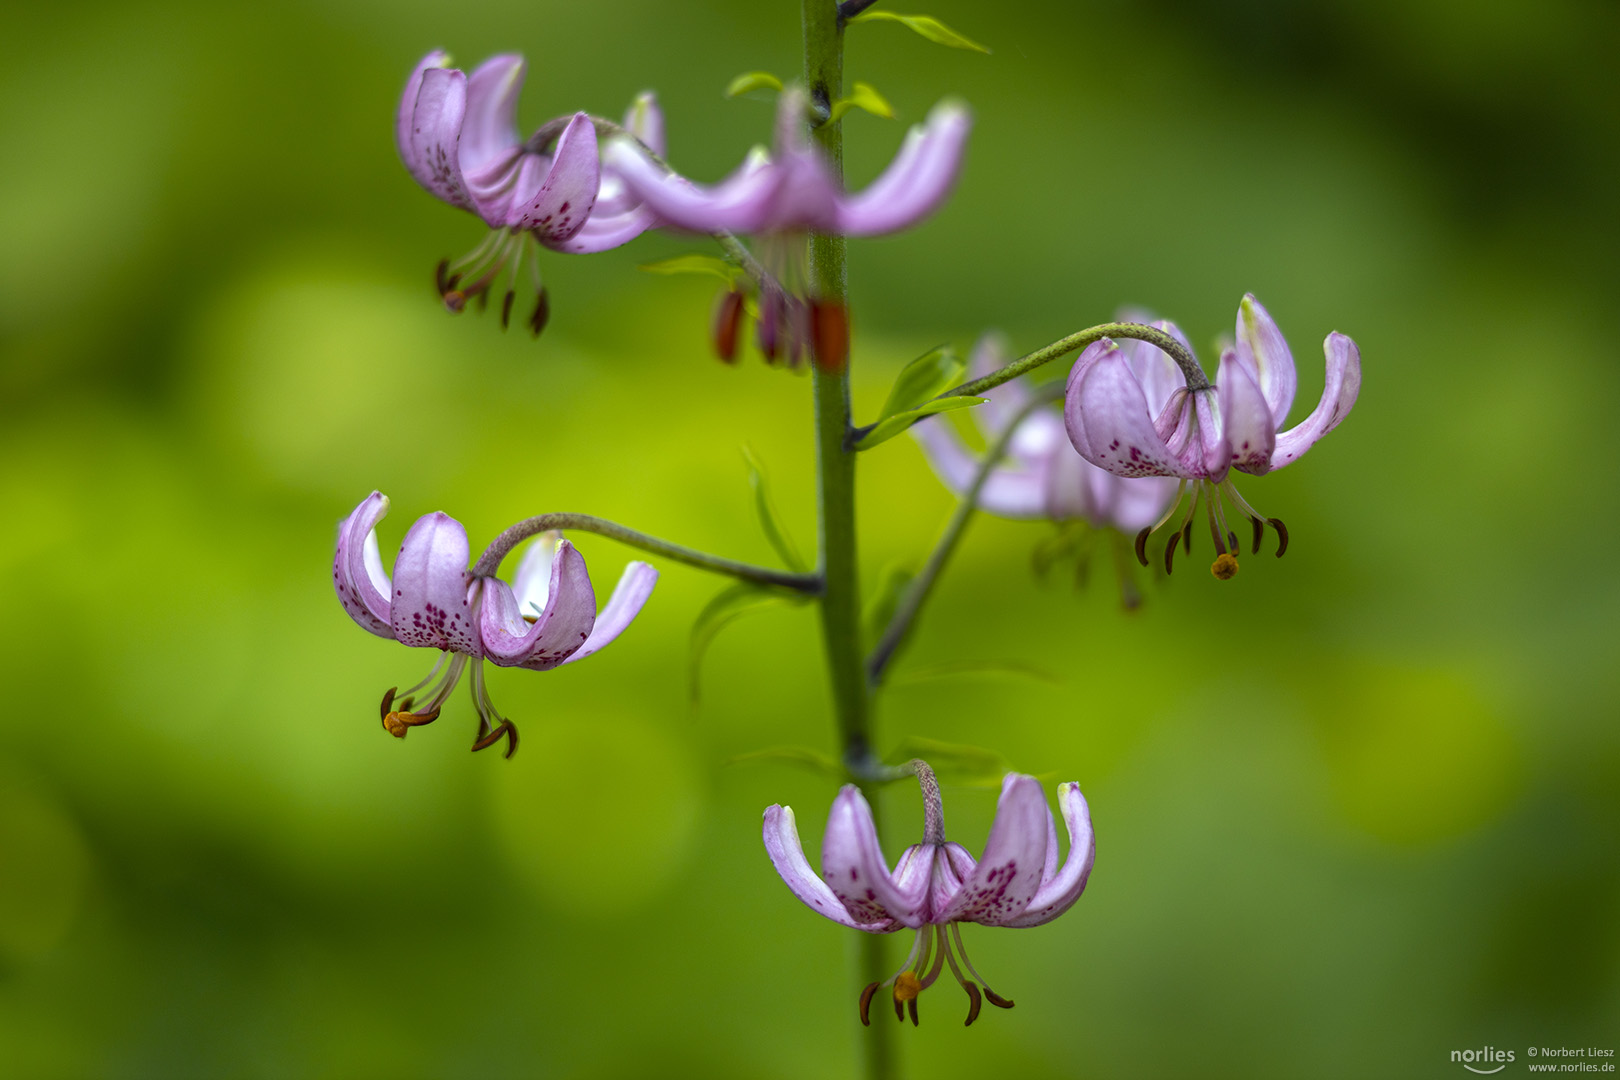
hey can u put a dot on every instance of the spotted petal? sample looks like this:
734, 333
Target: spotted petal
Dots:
629, 597
787, 855
558, 630
1262, 348
852, 864
603, 232
432, 602
1061, 889
430, 141
357, 571
1246, 426
1107, 417
1008, 875
916, 182
559, 209
1338, 395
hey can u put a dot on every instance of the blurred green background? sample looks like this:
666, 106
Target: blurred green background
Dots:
1357, 808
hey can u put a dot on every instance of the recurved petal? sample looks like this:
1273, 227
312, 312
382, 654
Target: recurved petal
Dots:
1059, 892
432, 143
556, 632
1246, 426
916, 182
645, 120
490, 128
1107, 417
1008, 875
852, 864
1338, 395
1139, 502
563, 203
992, 353
438, 58
605, 232
1154, 369
1007, 492
432, 602
787, 855
1262, 347
532, 582
1207, 454
357, 571
737, 204
629, 597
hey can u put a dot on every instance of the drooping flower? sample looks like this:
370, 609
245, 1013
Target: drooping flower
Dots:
936, 884
781, 195
547, 616
1041, 476
1132, 410
458, 137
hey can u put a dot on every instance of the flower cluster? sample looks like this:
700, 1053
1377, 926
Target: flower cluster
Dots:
545, 618
937, 884
1130, 409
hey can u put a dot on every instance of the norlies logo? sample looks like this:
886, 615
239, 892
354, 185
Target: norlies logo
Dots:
1485, 1056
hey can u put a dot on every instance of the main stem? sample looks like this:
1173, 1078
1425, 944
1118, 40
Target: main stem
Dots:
835, 488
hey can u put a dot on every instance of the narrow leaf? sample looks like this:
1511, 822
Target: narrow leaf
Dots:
921, 379
692, 264
753, 80
863, 96
894, 425
729, 604
953, 762
802, 756
768, 519
926, 25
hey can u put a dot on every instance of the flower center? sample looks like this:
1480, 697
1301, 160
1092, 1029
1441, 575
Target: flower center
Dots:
1213, 498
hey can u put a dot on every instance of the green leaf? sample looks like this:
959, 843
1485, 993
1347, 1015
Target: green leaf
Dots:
863, 96
953, 762
926, 25
693, 264
802, 756
768, 519
887, 429
730, 604
753, 80
921, 379
880, 607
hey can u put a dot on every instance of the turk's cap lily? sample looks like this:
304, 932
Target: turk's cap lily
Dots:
937, 884
1137, 417
1042, 476
547, 617
792, 188
457, 135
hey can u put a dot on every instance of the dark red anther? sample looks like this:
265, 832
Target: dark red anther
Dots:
768, 332
866, 1004
1231, 541
506, 308
1186, 537
996, 999
507, 729
1259, 534
727, 321
1170, 554
829, 336
1282, 535
388, 701
441, 277
537, 321
1141, 544
973, 1003
911, 1006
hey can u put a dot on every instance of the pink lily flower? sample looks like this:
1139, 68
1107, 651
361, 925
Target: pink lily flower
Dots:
1131, 410
781, 195
936, 884
1042, 476
458, 137
545, 618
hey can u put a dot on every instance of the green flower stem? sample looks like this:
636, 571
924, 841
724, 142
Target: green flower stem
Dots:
490, 561
1065, 345
835, 493
917, 593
